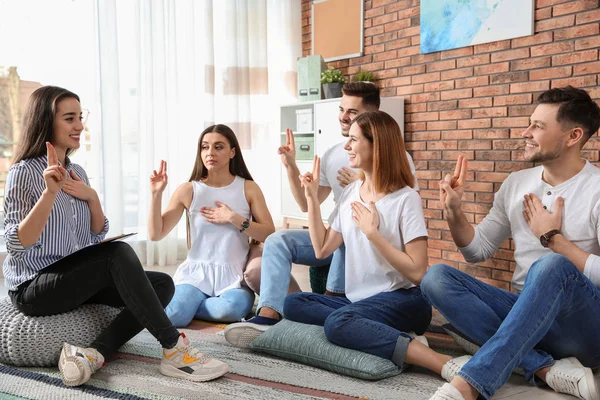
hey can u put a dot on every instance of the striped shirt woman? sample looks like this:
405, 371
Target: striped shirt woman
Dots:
67, 229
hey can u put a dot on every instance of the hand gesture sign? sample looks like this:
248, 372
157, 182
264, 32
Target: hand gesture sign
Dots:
159, 180
367, 219
221, 214
452, 187
539, 219
55, 175
288, 152
78, 188
310, 180
346, 176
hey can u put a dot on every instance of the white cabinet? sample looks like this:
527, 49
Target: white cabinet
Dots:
326, 133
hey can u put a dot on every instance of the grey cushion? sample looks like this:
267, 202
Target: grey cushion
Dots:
309, 345
36, 341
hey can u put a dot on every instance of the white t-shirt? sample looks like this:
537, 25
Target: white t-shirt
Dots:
336, 158
580, 220
401, 220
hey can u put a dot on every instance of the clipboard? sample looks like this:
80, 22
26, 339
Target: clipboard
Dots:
118, 237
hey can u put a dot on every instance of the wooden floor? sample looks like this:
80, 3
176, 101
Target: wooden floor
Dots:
515, 388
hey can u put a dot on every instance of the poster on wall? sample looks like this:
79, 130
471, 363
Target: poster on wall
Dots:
450, 24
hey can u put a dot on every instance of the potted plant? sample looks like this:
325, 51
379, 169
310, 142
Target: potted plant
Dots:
332, 81
364, 76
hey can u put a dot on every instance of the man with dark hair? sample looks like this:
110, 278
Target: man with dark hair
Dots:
550, 326
285, 247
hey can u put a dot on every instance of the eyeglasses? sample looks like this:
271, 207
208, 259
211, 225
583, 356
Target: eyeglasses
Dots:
85, 113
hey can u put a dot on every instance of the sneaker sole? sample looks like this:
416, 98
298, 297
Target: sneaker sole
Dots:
242, 336
67, 361
173, 372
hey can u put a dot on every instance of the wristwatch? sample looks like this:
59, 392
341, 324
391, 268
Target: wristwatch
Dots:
545, 238
245, 225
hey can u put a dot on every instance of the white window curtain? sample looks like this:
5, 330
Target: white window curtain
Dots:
170, 68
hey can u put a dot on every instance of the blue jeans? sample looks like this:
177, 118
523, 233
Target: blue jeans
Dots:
375, 325
189, 303
285, 247
557, 315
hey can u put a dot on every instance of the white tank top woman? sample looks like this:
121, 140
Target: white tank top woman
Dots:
225, 208
216, 260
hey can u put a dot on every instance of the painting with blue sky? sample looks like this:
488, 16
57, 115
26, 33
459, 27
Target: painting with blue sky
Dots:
450, 24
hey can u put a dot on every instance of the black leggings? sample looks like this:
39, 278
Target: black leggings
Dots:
107, 273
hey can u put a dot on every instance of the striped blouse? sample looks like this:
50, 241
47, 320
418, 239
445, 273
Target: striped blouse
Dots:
67, 230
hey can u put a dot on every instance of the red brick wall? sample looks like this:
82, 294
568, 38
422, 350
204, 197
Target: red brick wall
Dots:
474, 101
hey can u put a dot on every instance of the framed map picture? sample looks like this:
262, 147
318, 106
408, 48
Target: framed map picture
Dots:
450, 24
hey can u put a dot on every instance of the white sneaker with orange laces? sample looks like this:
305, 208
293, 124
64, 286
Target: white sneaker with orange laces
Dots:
187, 362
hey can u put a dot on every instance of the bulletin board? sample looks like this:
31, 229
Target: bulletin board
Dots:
337, 29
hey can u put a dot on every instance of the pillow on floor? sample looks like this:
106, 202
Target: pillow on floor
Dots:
37, 341
308, 344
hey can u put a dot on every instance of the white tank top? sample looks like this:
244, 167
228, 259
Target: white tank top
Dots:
216, 261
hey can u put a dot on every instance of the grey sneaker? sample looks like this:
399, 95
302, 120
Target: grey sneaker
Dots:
447, 392
77, 364
571, 377
453, 367
241, 334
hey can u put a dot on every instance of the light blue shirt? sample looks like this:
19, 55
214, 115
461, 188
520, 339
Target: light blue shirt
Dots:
67, 230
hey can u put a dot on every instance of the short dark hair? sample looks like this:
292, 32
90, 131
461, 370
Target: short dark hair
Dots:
576, 107
369, 92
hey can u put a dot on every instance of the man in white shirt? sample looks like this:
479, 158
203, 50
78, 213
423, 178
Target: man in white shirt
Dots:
285, 247
550, 326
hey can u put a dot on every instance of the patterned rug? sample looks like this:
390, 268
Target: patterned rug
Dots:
133, 374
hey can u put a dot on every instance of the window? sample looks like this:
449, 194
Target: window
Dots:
44, 43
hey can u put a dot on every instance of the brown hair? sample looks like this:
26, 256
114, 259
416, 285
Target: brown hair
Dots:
368, 92
237, 166
38, 122
391, 170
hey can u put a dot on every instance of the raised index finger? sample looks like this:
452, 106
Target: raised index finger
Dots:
458, 168
290, 138
317, 168
463, 170
51, 154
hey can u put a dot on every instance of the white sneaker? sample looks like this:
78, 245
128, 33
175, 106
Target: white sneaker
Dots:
77, 364
447, 392
241, 334
187, 362
453, 367
571, 377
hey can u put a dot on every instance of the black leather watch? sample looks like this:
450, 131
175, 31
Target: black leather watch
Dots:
245, 225
545, 238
